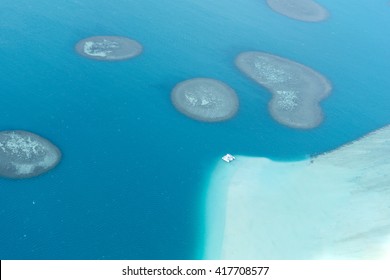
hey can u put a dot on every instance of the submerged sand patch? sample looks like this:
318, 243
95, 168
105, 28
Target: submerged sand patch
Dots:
296, 89
205, 99
333, 206
24, 154
304, 10
108, 48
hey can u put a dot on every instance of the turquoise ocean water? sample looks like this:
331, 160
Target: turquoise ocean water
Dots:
131, 184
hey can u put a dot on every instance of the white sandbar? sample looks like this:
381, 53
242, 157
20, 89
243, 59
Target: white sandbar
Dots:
333, 206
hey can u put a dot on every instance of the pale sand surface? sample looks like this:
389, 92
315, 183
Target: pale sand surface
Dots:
335, 207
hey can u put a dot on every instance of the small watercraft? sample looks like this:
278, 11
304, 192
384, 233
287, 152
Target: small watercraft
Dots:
228, 158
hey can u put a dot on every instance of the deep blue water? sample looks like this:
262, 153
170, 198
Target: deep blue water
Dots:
132, 179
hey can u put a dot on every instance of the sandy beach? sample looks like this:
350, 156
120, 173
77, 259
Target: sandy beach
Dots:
333, 206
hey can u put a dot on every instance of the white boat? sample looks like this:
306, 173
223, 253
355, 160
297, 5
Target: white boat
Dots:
228, 158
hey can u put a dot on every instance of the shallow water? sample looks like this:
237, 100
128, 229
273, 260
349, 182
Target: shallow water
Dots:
131, 182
